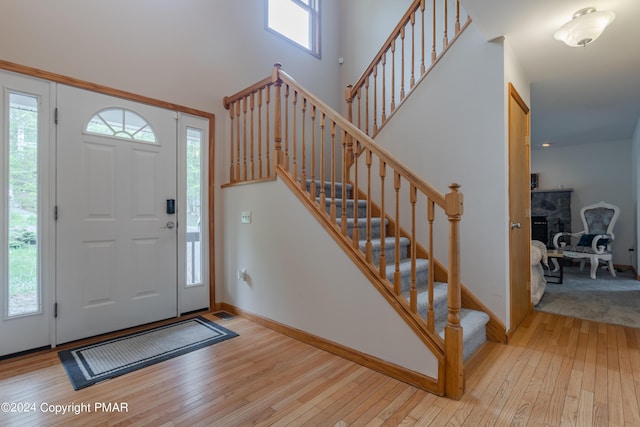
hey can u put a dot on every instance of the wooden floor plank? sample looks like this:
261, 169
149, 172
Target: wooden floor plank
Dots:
555, 371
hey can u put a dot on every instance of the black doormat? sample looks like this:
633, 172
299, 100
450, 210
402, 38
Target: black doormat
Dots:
89, 364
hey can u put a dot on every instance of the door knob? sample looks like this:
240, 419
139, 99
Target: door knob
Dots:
169, 225
515, 225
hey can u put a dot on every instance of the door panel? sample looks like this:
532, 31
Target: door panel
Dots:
519, 208
117, 258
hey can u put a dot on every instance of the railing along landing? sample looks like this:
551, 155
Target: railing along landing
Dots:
310, 145
415, 45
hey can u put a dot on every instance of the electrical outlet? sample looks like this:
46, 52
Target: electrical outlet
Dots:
245, 217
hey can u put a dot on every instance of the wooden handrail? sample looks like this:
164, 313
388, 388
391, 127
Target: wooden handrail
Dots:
395, 33
228, 100
387, 86
367, 141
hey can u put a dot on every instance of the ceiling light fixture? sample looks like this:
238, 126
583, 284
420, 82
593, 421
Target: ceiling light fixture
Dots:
586, 26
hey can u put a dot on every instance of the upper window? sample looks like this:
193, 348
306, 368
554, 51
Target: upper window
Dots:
296, 20
121, 123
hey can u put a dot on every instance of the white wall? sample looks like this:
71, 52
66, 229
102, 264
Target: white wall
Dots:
596, 172
299, 276
189, 52
452, 130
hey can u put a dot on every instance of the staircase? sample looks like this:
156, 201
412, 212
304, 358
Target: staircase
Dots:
473, 322
378, 211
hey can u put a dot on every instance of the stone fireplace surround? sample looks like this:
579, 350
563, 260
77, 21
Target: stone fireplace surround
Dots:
555, 206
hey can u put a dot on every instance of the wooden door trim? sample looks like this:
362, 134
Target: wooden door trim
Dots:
515, 96
106, 90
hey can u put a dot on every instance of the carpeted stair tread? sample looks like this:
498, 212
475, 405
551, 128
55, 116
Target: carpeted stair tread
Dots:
389, 249
439, 299
350, 203
327, 188
422, 272
473, 324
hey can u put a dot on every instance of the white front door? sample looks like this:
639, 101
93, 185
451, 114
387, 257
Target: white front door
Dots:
116, 233
26, 244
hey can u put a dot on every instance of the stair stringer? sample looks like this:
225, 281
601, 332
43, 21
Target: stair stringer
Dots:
431, 340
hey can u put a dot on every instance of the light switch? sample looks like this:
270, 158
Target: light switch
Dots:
245, 217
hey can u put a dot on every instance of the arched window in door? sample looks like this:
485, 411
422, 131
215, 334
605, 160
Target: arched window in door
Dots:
121, 123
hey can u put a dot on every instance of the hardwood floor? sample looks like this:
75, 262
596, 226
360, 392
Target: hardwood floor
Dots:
556, 371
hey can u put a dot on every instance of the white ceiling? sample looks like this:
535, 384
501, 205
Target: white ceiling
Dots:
578, 95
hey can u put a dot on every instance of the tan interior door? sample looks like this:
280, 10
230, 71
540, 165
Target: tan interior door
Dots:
519, 209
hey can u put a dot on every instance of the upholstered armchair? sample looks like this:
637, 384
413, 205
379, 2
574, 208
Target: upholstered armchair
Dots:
594, 242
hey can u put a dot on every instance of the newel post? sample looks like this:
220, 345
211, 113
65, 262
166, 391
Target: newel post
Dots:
349, 154
454, 375
277, 113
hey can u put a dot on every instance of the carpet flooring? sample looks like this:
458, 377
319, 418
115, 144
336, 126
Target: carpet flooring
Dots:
607, 299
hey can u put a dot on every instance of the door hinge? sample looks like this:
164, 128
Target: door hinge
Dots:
55, 310
55, 213
55, 116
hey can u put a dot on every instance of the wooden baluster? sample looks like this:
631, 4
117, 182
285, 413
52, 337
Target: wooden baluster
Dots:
323, 197
286, 128
445, 38
312, 187
396, 275
294, 141
359, 109
260, 133
356, 234
238, 168
348, 97
393, 75
277, 119
266, 132
232, 174
375, 99
383, 117
349, 156
412, 80
252, 107
303, 170
433, 46
457, 17
454, 382
402, 62
366, 121
413, 293
423, 68
369, 195
244, 140
345, 155
332, 210
431, 319
383, 257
